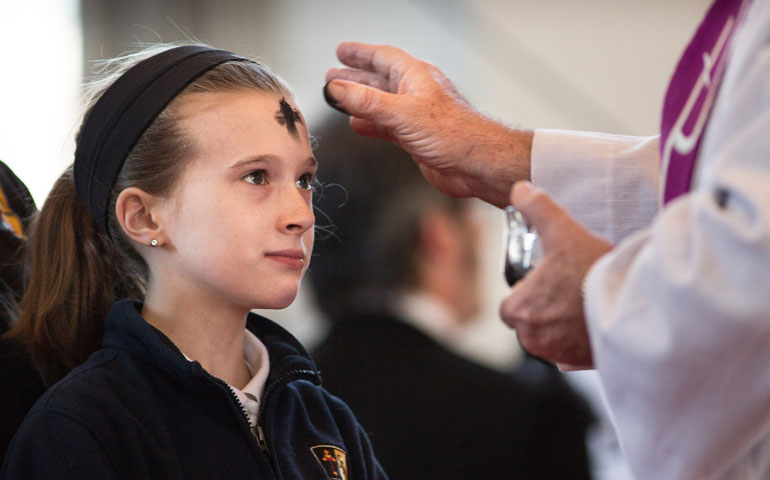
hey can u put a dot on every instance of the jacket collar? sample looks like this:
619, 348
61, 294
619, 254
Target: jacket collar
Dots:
125, 329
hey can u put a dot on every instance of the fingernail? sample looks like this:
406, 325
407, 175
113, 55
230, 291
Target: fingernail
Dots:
525, 186
334, 90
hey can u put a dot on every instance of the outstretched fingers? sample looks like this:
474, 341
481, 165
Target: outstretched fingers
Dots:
373, 58
359, 76
389, 63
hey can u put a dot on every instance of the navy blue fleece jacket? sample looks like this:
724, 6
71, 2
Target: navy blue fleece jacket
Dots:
138, 409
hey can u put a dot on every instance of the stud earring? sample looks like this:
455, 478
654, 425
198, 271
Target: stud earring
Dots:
153, 243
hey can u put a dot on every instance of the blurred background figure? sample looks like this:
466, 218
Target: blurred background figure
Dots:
20, 380
396, 273
16, 211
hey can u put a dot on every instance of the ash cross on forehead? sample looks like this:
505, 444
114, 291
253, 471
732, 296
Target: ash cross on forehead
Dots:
289, 117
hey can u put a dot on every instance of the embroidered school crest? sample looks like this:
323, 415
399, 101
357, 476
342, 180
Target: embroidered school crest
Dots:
333, 461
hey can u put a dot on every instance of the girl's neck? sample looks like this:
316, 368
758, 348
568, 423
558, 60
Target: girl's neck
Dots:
211, 334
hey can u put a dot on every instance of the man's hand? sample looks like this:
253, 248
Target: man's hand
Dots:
546, 307
394, 96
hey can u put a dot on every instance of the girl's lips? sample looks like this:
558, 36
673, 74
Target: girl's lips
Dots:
294, 259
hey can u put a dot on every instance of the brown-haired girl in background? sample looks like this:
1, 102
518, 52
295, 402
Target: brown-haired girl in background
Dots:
188, 205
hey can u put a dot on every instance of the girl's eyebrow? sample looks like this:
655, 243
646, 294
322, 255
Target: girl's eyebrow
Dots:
267, 159
253, 161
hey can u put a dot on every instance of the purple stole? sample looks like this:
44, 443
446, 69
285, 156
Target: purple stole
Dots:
691, 93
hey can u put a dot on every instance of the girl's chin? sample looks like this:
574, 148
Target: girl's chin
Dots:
278, 302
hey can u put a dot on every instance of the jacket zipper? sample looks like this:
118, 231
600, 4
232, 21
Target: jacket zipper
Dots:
257, 429
240, 404
282, 380
261, 440
260, 432
235, 398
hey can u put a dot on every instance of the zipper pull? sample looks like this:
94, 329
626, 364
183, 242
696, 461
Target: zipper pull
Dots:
261, 440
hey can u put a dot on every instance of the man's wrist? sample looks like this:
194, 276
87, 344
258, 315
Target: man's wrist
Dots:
503, 159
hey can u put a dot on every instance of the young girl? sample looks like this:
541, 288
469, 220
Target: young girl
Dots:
191, 189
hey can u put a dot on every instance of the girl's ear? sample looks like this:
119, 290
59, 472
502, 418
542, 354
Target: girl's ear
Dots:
137, 215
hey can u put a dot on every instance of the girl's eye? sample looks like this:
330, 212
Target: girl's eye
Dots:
305, 182
257, 177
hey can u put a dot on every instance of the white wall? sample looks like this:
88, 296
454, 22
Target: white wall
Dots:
39, 88
595, 65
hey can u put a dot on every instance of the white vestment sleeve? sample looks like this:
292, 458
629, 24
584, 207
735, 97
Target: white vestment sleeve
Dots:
679, 314
608, 182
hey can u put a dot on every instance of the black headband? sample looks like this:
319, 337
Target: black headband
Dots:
125, 110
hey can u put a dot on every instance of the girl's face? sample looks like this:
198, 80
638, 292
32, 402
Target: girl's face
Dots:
239, 224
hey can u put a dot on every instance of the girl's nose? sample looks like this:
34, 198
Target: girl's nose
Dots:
298, 214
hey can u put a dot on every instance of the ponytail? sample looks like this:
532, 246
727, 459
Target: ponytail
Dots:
76, 274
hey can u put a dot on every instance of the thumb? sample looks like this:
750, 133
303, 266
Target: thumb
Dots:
361, 101
539, 209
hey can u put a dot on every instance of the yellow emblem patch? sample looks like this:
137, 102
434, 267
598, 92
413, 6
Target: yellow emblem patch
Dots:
333, 460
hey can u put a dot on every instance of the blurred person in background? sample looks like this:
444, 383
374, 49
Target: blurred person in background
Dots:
21, 381
16, 211
397, 276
